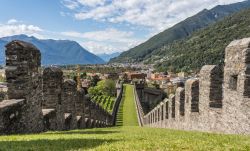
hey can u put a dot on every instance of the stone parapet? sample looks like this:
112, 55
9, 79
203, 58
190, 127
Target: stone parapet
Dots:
219, 101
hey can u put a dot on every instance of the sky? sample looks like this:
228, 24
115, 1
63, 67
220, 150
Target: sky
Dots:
100, 26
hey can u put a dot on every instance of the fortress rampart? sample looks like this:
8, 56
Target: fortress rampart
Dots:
218, 101
42, 100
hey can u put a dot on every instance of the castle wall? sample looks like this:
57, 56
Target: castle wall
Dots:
236, 85
80, 105
219, 101
42, 101
52, 96
23, 61
69, 103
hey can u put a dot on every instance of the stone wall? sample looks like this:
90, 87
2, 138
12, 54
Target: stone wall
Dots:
219, 101
69, 103
11, 112
119, 88
149, 97
40, 101
52, 96
23, 61
80, 106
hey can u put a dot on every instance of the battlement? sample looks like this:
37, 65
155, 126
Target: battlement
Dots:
219, 101
41, 101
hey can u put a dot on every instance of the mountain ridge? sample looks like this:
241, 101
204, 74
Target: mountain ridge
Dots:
59, 52
180, 31
204, 47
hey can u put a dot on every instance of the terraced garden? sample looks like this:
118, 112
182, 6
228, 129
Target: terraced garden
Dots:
106, 102
127, 136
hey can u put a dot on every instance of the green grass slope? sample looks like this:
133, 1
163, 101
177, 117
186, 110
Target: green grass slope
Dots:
127, 115
124, 138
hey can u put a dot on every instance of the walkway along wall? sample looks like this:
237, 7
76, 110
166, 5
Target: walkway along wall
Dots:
40, 101
219, 101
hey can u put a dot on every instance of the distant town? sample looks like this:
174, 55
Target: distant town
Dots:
167, 82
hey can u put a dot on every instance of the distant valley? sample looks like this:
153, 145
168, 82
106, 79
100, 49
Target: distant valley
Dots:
106, 57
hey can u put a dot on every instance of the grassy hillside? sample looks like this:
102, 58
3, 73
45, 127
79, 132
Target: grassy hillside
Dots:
124, 138
180, 31
205, 46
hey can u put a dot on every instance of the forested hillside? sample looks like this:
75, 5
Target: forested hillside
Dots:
203, 47
180, 31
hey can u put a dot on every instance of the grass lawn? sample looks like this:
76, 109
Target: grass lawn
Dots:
124, 138
128, 136
127, 112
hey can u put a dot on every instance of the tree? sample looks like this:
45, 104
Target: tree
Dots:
110, 87
156, 85
94, 80
93, 91
104, 87
107, 87
83, 75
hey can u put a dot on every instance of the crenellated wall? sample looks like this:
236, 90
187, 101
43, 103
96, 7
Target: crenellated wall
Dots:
219, 101
149, 97
80, 108
23, 77
52, 98
40, 101
69, 103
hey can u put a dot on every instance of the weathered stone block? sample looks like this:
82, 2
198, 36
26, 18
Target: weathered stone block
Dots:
69, 97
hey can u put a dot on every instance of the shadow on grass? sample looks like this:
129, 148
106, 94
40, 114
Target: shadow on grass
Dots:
81, 132
53, 145
119, 117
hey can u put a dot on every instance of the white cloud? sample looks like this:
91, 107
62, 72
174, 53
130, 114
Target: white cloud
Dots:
92, 3
109, 40
12, 21
99, 13
13, 28
108, 35
99, 48
73, 4
70, 4
154, 14
102, 47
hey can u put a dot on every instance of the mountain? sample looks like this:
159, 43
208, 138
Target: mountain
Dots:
58, 52
180, 31
206, 46
107, 57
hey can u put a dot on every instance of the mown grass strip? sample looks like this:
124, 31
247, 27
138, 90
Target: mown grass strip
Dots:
127, 111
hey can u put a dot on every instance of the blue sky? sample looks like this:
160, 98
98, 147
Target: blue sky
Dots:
101, 26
